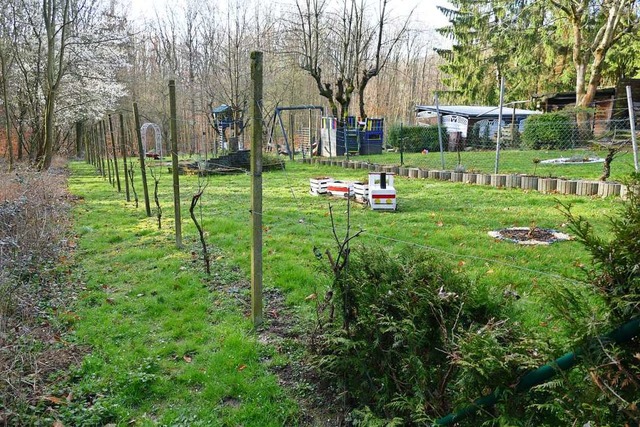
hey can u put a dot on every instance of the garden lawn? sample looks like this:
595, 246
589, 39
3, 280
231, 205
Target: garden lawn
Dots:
168, 346
515, 161
171, 345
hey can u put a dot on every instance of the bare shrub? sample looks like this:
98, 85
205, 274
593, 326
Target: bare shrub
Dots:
34, 224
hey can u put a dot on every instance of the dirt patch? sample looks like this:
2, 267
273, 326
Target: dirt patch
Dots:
320, 406
529, 236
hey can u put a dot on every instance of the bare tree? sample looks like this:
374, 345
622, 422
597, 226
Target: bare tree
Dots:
6, 62
342, 50
377, 57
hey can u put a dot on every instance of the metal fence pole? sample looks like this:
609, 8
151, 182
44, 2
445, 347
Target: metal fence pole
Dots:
498, 138
401, 141
439, 130
632, 124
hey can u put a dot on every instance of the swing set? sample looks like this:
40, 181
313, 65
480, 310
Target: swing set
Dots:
308, 139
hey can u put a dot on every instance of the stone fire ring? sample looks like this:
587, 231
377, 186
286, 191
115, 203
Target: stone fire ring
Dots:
528, 236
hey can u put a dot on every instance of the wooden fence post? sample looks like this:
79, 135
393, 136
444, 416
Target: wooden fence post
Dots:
123, 148
256, 188
115, 155
142, 154
173, 124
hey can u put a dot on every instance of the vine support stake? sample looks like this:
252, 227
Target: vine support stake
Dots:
256, 188
173, 124
142, 154
115, 155
123, 148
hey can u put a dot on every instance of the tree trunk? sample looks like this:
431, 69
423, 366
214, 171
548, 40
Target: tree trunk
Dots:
79, 132
46, 150
54, 71
5, 99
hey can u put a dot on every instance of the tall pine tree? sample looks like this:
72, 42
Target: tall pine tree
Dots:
539, 46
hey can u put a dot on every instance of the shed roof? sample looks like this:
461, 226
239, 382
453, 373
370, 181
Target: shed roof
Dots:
221, 109
571, 96
475, 111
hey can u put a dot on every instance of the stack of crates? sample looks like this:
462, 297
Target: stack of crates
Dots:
319, 185
361, 191
340, 189
382, 194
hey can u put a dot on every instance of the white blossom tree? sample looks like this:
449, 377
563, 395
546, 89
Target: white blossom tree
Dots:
68, 53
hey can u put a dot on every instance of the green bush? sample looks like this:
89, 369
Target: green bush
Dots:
615, 270
550, 130
420, 338
558, 130
611, 396
414, 139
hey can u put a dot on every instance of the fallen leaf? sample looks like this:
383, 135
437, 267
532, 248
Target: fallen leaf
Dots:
311, 297
57, 423
54, 400
461, 263
187, 358
242, 367
489, 271
440, 223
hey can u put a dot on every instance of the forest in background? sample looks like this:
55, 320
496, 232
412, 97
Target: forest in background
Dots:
71, 62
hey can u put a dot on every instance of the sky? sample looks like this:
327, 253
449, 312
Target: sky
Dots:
425, 11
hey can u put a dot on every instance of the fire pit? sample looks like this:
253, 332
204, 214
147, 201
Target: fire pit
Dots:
529, 236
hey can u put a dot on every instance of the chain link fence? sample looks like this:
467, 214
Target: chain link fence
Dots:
561, 144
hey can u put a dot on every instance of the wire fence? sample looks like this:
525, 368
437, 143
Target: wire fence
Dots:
291, 214
541, 143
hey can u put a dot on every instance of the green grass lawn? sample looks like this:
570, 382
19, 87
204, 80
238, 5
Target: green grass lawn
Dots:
515, 161
174, 347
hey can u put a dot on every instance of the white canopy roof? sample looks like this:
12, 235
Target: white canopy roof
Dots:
474, 111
